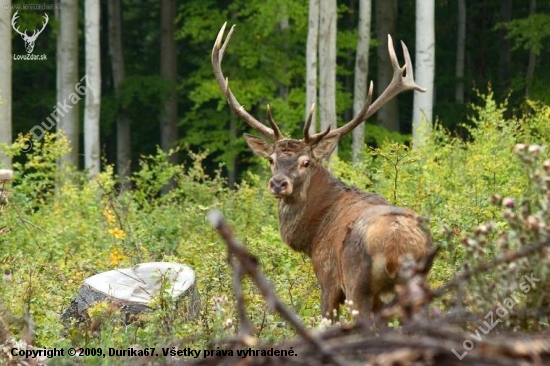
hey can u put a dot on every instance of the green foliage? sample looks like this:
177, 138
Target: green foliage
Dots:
266, 64
39, 168
522, 226
530, 32
143, 91
376, 135
450, 180
61, 234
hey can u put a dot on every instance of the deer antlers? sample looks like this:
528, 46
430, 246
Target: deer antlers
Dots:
403, 80
217, 55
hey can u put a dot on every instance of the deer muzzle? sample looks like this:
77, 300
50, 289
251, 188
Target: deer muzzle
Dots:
280, 186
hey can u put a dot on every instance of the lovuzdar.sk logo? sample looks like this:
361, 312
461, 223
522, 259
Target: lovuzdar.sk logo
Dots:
29, 39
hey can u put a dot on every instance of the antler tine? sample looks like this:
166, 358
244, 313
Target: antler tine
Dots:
226, 42
308, 122
351, 124
276, 131
312, 140
217, 55
398, 84
408, 68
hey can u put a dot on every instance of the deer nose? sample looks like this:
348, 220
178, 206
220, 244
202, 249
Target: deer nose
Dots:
278, 184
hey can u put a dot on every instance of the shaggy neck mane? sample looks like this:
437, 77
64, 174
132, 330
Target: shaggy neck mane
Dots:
301, 214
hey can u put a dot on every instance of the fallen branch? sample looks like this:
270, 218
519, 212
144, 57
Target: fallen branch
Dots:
248, 264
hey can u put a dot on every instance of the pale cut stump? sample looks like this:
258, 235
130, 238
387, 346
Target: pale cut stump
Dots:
132, 289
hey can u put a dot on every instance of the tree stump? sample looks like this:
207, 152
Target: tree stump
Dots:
132, 289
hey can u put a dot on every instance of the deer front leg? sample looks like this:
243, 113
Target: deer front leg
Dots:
331, 298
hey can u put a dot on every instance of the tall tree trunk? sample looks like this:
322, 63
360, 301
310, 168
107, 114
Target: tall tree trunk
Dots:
361, 74
327, 69
386, 20
505, 57
232, 165
67, 77
311, 60
5, 80
532, 56
283, 27
460, 51
93, 84
123, 151
424, 70
168, 70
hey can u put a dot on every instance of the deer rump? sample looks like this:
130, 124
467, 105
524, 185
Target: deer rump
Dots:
357, 248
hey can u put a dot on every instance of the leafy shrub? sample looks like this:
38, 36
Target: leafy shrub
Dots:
66, 227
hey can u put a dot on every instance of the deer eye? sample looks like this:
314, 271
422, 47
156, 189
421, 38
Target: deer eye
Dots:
270, 159
305, 163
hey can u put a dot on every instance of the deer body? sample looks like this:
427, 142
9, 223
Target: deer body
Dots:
355, 240
347, 234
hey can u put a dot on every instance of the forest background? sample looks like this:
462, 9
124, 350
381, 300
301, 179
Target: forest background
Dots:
152, 117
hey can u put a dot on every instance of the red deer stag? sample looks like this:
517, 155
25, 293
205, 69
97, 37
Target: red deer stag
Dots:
354, 239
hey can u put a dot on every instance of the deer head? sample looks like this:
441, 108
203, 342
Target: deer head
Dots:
291, 159
29, 40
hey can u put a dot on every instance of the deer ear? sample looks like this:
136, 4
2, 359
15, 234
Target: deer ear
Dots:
258, 145
325, 147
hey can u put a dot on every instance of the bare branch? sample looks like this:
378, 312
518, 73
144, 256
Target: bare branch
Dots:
249, 265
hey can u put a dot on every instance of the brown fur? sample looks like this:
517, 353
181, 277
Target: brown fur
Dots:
354, 239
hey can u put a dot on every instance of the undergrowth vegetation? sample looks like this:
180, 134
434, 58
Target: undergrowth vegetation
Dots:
481, 197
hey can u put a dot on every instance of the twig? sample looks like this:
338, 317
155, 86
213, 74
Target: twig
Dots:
249, 265
503, 258
245, 328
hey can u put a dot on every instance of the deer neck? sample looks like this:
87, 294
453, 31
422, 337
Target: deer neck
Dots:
301, 215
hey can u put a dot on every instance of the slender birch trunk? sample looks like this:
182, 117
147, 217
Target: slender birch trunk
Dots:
67, 77
93, 85
424, 70
361, 74
5, 80
311, 60
327, 62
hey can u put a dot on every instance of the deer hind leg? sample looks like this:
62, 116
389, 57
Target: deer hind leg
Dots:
358, 292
